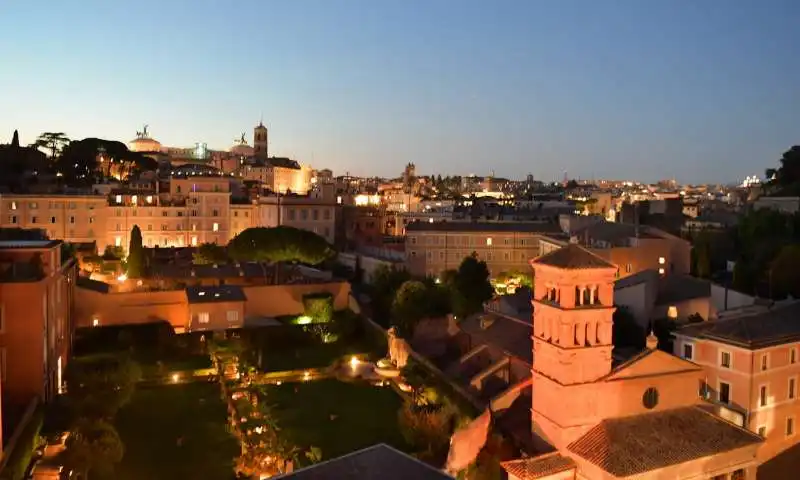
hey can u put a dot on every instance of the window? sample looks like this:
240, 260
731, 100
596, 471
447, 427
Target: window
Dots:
233, 315
72, 220
650, 398
2, 318
304, 214
52, 219
724, 392
13, 205
762, 431
762, 396
661, 260
202, 317
764, 362
33, 205
119, 227
326, 214
793, 356
150, 228
628, 268
661, 271
791, 392
688, 351
91, 219
725, 359
315, 214
117, 241
118, 198
215, 227
738, 474
705, 390
194, 241
215, 213
12, 219
34, 219
789, 422
489, 241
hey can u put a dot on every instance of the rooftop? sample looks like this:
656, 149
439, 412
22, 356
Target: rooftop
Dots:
776, 326
680, 288
511, 336
573, 257
503, 227
222, 293
642, 443
377, 462
33, 244
538, 467
612, 233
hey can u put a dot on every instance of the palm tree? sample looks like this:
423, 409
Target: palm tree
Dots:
52, 141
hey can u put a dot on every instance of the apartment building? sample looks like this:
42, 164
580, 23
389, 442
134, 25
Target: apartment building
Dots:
315, 212
752, 370
279, 175
432, 248
36, 305
79, 218
195, 210
632, 248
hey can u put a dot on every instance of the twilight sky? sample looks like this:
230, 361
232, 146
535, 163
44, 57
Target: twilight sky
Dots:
699, 90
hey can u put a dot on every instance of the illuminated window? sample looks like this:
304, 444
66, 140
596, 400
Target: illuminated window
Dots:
233, 315
661, 271
118, 198
13, 205
194, 241
95, 322
489, 241
661, 260
203, 317
134, 199
672, 312
149, 199
117, 241
215, 227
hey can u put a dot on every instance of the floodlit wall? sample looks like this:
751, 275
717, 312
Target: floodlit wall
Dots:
123, 308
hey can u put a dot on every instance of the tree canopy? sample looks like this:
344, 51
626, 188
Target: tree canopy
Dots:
786, 178
93, 445
411, 304
471, 286
100, 385
784, 276
280, 244
208, 254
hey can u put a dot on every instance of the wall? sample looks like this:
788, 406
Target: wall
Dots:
173, 307
703, 306
637, 301
734, 299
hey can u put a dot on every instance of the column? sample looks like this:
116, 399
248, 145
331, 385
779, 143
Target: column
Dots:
580, 334
592, 291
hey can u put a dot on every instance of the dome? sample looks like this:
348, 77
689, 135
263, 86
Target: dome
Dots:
242, 149
144, 144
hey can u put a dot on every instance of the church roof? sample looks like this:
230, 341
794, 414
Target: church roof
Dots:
651, 362
633, 445
572, 257
538, 467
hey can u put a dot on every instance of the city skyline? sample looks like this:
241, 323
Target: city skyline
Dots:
703, 94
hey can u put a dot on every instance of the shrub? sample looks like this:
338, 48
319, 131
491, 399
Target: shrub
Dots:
427, 428
318, 306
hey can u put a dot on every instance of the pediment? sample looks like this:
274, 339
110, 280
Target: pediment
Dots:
652, 363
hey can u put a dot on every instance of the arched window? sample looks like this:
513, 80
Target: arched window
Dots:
587, 296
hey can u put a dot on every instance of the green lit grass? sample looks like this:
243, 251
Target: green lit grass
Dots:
337, 417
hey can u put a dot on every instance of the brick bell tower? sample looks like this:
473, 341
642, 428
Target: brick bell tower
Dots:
573, 304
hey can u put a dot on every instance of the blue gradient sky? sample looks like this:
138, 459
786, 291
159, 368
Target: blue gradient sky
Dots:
702, 90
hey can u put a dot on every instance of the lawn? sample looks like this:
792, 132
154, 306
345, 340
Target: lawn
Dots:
337, 417
312, 356
176, 431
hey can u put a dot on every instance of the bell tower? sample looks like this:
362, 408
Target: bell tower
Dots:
573, 304
260, 141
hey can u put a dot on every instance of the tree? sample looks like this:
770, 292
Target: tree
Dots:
471, 286
15, 139
100, 385
135, 254
52, 141
784, 274
427, 429
384, 282
701, 256
93, 445
280, 244
787, 176
209, 253
411, 304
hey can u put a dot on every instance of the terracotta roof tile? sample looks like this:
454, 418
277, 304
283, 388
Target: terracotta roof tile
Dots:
573, 257
538, 467
642, 443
